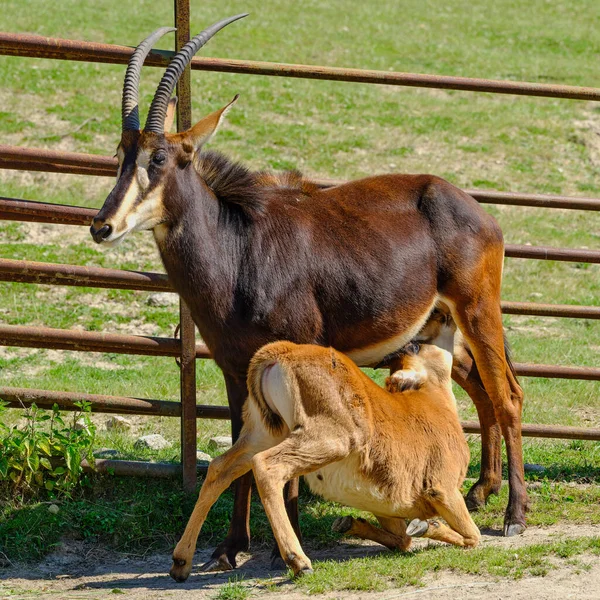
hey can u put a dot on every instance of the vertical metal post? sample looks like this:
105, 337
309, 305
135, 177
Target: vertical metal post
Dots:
188, 331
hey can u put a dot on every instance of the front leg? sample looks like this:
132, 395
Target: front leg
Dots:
238, 537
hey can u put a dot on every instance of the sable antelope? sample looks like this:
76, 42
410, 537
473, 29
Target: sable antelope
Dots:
311, 411
259, 257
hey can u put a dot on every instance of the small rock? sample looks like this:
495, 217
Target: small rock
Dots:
219, 442
117, 423
534, 485
203, 457
162, 299
154, 441
536, 295
53, 509
531, 468
106, 453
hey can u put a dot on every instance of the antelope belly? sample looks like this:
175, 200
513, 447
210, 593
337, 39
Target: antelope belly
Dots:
342, 482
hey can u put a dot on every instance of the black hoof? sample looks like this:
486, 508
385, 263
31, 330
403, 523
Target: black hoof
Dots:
512, 529
221, 563
342, 524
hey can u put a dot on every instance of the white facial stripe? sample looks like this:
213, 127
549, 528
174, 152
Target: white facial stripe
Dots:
143, 159
119, 221
120, 159
149, 213
142, 177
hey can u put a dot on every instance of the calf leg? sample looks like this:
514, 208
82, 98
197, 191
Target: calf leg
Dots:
290, 492
298, 454
464, 372
222, 471
238, 536
460, 531
392, 536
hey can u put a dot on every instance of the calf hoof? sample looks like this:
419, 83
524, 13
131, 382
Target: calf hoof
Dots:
303, 571
220, 563
417, 528
180, 570
342, 524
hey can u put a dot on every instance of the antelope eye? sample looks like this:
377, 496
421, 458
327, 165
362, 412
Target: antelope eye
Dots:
159, 157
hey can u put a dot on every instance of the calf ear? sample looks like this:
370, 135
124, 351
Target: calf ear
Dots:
170, 114
202, 131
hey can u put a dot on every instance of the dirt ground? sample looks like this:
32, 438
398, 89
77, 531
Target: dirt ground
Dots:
77, 571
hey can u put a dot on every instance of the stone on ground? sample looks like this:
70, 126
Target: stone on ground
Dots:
117, 423
154, 441
219, 442
162, 299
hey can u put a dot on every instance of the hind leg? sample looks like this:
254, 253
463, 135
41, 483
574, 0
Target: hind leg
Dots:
392, 535
460, 531
464, 372
476, 310
298, 454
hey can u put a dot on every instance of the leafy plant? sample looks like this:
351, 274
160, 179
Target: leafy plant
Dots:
44, 454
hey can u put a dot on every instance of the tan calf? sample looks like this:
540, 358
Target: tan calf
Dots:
397, 454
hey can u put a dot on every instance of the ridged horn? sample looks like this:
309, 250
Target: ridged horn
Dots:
158, 108
129, 108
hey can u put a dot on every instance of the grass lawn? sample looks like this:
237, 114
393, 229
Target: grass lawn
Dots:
326, 129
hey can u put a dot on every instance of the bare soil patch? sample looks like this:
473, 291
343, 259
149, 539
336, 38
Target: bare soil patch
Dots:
84, 571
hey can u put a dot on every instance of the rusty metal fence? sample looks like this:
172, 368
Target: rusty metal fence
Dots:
186, 348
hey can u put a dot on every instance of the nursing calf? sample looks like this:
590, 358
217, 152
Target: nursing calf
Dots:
399, 454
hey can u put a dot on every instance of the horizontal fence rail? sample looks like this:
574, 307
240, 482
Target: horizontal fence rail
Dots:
22, 397
90, 341
25, 271
37, 46
40, 159
101, 403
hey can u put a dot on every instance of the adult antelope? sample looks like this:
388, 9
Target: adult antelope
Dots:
260, 257
313, 412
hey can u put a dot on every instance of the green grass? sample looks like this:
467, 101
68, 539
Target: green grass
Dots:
234, 589
326, 129
402, 569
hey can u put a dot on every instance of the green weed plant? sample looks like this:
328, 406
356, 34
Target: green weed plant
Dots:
43, 454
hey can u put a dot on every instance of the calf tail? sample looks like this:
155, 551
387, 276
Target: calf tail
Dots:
265, 358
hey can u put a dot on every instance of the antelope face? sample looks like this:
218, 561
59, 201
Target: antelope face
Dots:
136, 201
146, 158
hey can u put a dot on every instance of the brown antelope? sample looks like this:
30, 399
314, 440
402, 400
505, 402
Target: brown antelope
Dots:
259, 257
311, 411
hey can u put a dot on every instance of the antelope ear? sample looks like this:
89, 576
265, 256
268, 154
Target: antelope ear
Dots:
202, 131
170, 114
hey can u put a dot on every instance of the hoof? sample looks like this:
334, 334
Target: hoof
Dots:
221, 563
178, 571
304, 571
417, 528
342, 525
511, 529
278, 564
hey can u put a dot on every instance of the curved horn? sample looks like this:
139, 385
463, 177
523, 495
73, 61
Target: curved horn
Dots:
129, 108
158, 108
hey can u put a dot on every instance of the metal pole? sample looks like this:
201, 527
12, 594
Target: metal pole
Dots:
188, 332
